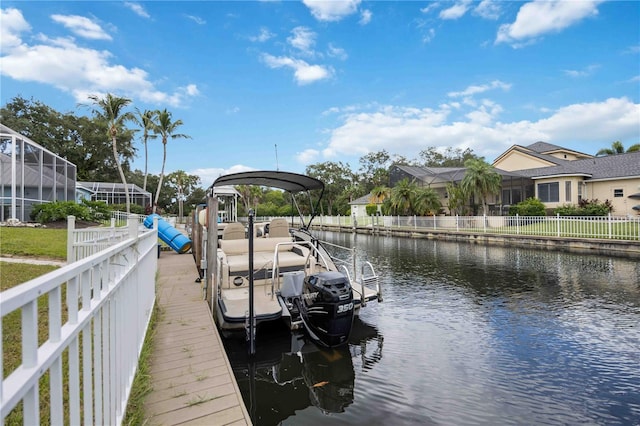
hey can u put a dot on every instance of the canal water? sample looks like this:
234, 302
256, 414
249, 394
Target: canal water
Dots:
467, 334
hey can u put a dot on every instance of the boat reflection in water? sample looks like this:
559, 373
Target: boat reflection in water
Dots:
289, 372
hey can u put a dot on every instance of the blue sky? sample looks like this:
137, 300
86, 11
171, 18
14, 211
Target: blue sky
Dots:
335, 80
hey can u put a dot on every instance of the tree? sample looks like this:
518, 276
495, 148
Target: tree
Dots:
403, 196
426, 201
481, 180
166, 128
457, 199
111, 109
182, 184
146, 120
617, 148
431, 157
78, 139
374, 170
336, 177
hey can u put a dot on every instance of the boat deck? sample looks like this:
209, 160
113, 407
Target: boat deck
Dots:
192, 379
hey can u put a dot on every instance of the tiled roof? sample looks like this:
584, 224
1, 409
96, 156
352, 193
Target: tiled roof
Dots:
607, 167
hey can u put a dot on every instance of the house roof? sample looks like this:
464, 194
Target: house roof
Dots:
543, 151
596, 168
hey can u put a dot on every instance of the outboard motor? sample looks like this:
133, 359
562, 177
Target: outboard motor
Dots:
326, 307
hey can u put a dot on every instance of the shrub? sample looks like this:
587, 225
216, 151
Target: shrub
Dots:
528, 207
586, 208
371, 209
59, 210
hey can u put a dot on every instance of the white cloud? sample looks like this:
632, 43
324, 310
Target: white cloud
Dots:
540, 17
264, 35
456, 11
428, 36
80, 71
308, 156
209, 175
198, 20
409, 130
303, 39
334, 10
304, 73
474, 90
13, 24
582, 73
82, 26
488, 9
137, 8
365, 17
337, 52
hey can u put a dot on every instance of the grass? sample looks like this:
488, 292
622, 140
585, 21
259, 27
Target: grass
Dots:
142, 386
35, 242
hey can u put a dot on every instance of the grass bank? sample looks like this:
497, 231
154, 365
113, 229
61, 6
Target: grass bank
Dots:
33, 242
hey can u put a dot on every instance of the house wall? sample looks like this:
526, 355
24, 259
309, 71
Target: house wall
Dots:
564, 155
616, 191
608, 189
516, 160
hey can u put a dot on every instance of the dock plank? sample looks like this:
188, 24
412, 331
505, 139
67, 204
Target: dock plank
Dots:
192, 379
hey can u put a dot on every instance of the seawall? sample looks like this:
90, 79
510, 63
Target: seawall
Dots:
610, 247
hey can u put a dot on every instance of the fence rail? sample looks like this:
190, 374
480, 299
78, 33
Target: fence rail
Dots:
97, 310
600, 227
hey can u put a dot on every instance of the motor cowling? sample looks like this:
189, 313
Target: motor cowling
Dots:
328, 306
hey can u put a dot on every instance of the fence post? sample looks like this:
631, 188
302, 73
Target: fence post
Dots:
484, 222
434, 222
71, 226
457, 223
517, 224
610, 226
132, 221
415, 222
558, 220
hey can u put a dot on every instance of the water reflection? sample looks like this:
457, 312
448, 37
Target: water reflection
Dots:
290, 373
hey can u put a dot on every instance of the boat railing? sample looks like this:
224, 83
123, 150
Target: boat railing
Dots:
313, 251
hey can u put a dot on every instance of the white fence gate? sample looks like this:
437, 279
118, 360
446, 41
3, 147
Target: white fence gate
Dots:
98, 312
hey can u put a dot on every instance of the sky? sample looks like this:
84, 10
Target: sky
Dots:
283, 84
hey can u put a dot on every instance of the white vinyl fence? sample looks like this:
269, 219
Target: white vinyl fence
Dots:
602, 227
97, 310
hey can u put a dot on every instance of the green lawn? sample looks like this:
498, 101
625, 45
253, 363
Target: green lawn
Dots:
37, 242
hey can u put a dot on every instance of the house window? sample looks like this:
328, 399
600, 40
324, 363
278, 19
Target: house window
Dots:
567, 191
549, 192
618, 193
580, 190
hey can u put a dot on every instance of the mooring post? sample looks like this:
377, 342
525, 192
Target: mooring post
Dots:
252, 331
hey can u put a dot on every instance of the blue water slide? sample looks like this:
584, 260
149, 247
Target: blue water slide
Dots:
170, 235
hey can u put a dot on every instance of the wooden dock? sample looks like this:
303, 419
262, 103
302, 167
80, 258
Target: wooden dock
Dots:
193, 383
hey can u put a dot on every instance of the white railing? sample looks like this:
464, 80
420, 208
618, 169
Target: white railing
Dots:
601, 227
84, 242
98, 311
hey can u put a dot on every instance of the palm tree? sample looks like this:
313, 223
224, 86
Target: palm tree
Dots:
165, 128
110, 108
427, 201
457, 198
146, 121
617, 148
403, 196
379, 194
482, 180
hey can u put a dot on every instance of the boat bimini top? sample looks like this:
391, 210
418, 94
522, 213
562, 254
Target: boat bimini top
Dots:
293, 183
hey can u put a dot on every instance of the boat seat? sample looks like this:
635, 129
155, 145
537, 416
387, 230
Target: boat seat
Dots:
234, 258
233, 231
278, 228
